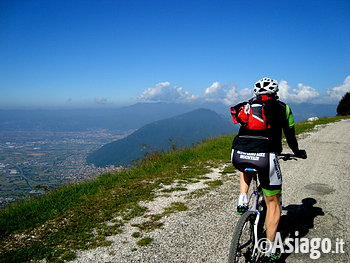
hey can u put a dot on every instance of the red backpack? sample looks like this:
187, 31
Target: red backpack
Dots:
250, 115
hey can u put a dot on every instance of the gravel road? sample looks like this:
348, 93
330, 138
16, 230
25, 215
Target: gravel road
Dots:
322, 184
315, 198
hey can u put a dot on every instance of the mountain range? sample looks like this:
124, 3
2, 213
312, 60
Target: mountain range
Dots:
127, 118
154, 123
181, 130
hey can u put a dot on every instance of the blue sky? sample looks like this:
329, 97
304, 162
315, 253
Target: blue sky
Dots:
112, 53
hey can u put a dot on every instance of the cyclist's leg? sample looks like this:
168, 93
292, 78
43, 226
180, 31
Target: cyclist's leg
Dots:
273, 216
243, 198
271, 183
244, 180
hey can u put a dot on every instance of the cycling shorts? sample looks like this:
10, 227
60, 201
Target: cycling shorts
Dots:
267, 165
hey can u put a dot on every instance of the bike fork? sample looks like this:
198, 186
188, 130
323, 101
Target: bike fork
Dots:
256, 222
256, 241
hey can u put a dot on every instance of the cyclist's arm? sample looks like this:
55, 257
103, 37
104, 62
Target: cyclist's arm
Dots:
289, 131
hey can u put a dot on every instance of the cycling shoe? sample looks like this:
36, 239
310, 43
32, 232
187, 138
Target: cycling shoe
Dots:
241, 209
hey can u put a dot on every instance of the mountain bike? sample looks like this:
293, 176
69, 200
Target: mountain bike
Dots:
250, 226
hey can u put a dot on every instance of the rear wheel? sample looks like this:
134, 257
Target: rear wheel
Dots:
242, 244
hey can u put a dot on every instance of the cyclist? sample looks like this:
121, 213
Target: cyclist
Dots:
258, 144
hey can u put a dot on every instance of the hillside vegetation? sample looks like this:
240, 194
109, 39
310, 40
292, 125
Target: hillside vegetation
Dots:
74, 216
175, 132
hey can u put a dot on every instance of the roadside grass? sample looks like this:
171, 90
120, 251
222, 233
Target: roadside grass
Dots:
229, 169
307, 126
215, 183
154, 223
136, 235
144, 241
74, 217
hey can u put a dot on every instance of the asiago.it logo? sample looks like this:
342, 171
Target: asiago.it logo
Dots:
314, 246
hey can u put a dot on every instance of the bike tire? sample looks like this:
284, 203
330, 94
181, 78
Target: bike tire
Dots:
245, 223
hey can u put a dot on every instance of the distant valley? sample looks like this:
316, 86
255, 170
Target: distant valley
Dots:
50, 147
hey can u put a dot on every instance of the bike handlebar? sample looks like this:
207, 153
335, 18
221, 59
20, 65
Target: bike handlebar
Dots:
288, 156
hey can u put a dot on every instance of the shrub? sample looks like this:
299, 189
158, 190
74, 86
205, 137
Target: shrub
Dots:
344, 105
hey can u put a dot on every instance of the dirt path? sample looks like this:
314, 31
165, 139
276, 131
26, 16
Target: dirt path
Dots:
203, 232
323, 182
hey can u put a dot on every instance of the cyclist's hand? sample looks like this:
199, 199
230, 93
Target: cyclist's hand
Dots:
301, 154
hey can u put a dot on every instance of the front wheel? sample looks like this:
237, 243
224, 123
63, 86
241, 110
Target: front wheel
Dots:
242, 244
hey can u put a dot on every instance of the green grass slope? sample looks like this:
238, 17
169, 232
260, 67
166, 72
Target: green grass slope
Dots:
73, 217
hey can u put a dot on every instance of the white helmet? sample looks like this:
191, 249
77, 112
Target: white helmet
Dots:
265, 86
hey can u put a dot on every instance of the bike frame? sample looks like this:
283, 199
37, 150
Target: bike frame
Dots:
255, 205
257, 193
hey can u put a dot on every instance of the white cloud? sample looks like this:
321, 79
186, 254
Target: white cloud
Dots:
228, 95
336, 93
214, 91
164, 92
217, 92
100, 100
231, 95
301, 94
235, 96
